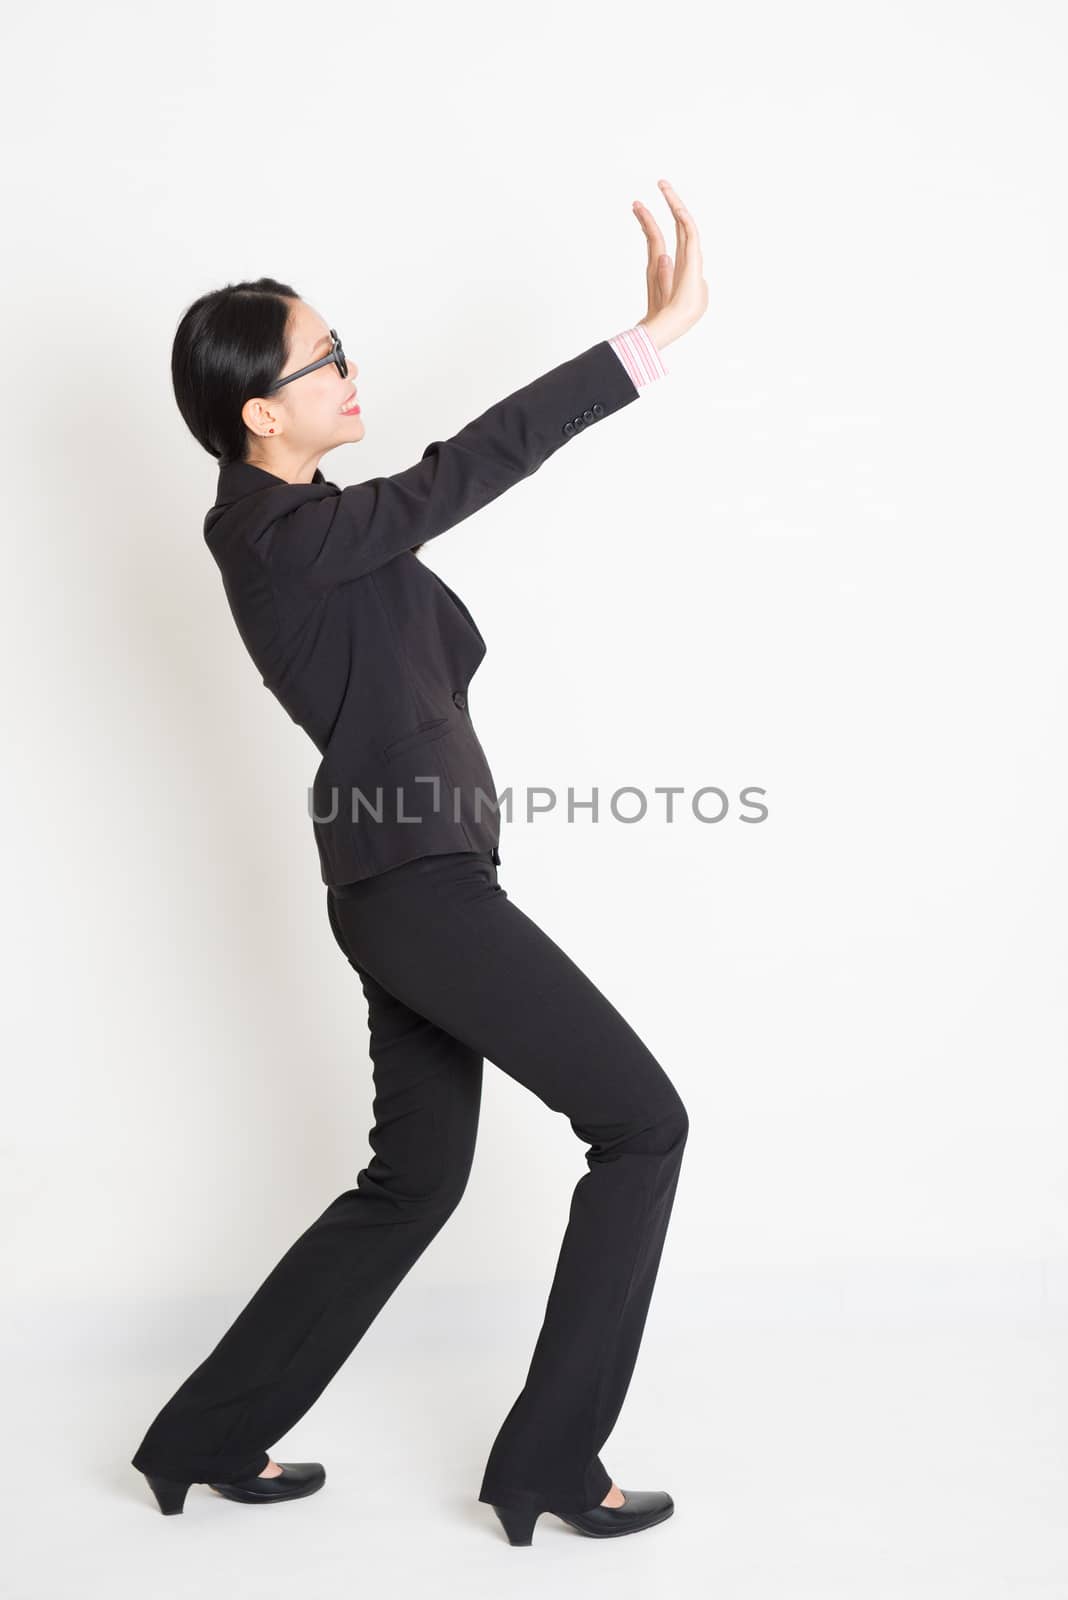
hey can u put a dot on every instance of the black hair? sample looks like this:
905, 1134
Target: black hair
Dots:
229, 346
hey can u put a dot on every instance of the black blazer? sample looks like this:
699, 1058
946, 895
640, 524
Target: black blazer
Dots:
365, 647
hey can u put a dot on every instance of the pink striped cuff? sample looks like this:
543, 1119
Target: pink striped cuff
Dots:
639, 355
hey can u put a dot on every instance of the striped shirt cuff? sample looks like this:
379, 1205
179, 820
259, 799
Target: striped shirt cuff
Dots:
639, 355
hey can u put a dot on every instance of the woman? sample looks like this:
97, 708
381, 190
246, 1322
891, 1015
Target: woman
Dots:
372, 654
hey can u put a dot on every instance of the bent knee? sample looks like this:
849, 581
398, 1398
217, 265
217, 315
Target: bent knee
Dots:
672, 1127
433, 1192
661, 1131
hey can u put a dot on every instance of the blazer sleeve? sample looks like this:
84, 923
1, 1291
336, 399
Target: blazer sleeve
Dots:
344, 535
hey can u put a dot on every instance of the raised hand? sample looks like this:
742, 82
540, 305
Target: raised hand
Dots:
677, 292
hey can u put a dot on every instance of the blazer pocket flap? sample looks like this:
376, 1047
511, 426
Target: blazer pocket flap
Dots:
422, 733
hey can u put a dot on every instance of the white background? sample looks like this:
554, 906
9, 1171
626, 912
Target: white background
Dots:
824, 556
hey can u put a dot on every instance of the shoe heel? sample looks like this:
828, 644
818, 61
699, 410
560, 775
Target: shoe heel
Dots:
170, 1493
518, 1525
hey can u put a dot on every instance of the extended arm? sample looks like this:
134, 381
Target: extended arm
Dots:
344, 535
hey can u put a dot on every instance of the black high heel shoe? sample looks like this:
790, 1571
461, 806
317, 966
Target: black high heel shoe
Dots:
297, 1478
641, 1508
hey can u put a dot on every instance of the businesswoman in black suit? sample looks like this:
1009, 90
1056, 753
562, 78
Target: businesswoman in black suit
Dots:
372, 654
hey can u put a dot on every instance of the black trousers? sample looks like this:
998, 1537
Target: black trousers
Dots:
454, 972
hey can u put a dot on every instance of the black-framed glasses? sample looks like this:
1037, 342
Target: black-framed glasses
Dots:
337, 356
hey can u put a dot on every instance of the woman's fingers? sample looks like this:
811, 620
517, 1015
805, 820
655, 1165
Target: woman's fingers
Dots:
649, 223
657, 269
653, 235
680, 231
688, 244
676, 288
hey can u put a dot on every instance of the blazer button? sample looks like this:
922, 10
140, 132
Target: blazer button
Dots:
598, 409
569, 428
579, 422
588, 416
459, 698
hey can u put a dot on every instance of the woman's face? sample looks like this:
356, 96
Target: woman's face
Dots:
306, 414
